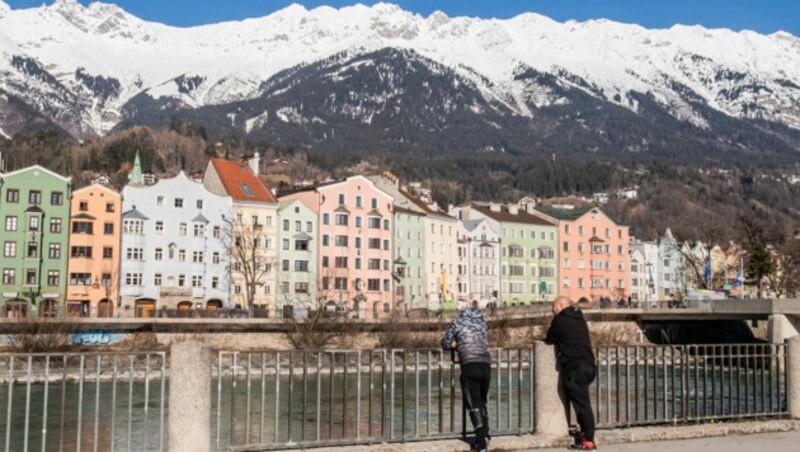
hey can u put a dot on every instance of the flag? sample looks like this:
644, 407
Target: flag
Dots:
738, 280
707, 273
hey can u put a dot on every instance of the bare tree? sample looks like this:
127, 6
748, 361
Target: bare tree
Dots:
248, 260
109, 281
319, 327
784, 274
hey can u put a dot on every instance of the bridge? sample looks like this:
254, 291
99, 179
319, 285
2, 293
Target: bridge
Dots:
191, 398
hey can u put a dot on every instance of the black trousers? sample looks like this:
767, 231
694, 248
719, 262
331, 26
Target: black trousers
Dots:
575, 379
475, 379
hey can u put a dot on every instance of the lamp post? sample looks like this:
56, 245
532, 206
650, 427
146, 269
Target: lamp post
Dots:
230, 257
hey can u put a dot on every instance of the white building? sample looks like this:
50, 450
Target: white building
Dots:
482, 260
297, 290
644, 271
174, 252
670, 268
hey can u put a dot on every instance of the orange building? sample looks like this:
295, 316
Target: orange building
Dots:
94, 252
593, 252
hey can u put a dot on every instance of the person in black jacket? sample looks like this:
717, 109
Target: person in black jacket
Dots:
577, 369
469, 335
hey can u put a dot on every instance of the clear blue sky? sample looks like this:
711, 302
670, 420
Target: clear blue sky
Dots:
765, 16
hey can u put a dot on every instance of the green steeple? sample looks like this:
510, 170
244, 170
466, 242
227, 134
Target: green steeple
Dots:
136, 172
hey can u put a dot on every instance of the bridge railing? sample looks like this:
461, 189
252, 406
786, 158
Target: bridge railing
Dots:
655, 384
292, 399
83, 401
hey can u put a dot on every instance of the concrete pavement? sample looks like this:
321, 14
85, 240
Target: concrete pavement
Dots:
780, 441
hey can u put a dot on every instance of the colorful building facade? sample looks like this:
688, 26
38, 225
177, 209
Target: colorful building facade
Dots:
94, 255
594, 253
297, 259
35, 210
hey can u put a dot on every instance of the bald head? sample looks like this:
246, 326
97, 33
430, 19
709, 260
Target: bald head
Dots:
560, 303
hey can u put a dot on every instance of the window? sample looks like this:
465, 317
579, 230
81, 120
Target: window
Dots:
516, 270
374, 223
105, 279
81, 252
298, 226
199, 203
546, 253
358, 222
182, 255
326, 219
301, 245
566, 263
386, 224
53, 277
10, 249
237, 289
325, 240
181, 280
55, 251
340, 283
9, 276
214, 282
81, 279
285, 265
580, 230
55, 225
215, 257
547, 272
373, 285
359, 202
268, 221
159, 254
34, 197
136, 254
82, 227
341, 240
309, 227
133, 279
566, 246
325, 261
12, 195
341, 219
83, 206
516, 251
108, 228
56, 198
374, 203
358, 242
358, 263
33, 223
197, 257
157, 279
11, 223
301, 287
159, 227
566, 229
159, 201
108, 252
182, 229
199, 229
109, 207
374, 244
374, 264
340, 262
197, 281
301, 266
30, 277
179, 202
341, 199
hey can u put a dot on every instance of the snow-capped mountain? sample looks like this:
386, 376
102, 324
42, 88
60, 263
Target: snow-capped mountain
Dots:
301, 74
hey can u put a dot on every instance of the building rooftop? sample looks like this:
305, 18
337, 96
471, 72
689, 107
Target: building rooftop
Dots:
504, 215
564, 214
240, 183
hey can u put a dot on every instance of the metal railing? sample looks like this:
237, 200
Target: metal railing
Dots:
294, 399
83, 401
653, 384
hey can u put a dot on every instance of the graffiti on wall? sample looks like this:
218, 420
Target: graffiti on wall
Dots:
97, 337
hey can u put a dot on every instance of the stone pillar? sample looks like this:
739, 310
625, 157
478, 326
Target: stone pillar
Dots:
189, 426
793, 376
781, 327
551, 418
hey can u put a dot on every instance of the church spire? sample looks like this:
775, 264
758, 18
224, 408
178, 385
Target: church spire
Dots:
136, 173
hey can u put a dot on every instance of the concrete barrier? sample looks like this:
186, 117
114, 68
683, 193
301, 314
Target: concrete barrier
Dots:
793, 377
549, 413
189, 418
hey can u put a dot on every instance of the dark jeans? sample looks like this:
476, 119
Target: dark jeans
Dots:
475, 379
575, 379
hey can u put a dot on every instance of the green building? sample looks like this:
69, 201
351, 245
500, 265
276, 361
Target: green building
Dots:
409, 258
34, 208
529, 250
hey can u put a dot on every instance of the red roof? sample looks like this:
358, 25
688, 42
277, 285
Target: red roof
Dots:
240, 183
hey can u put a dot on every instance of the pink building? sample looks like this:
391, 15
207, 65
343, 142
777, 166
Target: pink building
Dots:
593, 252
354, 268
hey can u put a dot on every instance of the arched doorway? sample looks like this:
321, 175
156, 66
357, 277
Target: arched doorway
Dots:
213, 305
145, 307
185, 308
105, 308
48, 308
16, 309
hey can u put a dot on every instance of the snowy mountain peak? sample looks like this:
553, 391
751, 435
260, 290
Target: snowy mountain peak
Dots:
101, 58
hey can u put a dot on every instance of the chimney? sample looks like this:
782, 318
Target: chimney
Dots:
494, 207
466, 212
513, 209
254, 163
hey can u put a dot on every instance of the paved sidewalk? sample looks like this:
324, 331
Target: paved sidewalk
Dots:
780, 441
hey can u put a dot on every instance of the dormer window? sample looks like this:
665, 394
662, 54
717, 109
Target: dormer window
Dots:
246, 189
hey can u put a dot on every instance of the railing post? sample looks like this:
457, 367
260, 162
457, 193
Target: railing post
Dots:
793, 376
190, 398
551, 418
